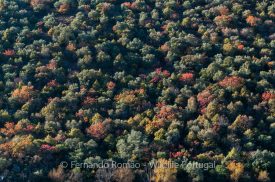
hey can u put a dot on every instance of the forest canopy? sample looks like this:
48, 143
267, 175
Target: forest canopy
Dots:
138, 81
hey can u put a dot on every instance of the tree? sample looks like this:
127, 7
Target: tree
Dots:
39, 4
131, 147
232, 82
236, 169
97, 130
263, 176
194, 172
252, 20
104, 174
57, 174
124, 175
242, 122
263, 160
24, 93
187, 77
165, 171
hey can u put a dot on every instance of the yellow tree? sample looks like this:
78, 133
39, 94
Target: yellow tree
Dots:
57, 174
236, 169
165, 171
124, 175
263, 176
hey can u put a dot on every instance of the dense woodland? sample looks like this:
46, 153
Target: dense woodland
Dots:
139, 81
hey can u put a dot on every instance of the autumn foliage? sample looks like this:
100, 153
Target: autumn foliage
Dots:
63, 8
236, 169
232, 81
187, 77
97, 130
9, 52
165, 171
137, 81
24, 93
266, 96
252, 20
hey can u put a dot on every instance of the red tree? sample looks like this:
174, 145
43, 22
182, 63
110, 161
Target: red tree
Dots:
232, 81
266, 96
186, 77
97, 130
